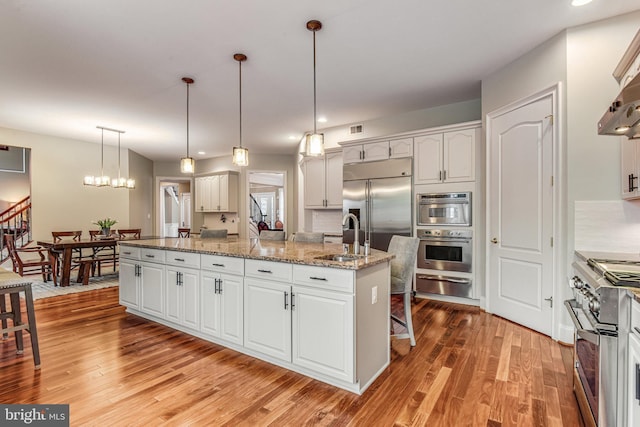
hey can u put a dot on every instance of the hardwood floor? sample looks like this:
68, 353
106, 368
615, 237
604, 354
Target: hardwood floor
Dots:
468, 368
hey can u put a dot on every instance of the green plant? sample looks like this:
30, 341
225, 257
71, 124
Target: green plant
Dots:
105, 223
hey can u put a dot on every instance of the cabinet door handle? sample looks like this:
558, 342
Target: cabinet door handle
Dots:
637, 381
317, 278
444, 174
220, 286
440, 176
286, 300
265, 271
632, 187
293, 301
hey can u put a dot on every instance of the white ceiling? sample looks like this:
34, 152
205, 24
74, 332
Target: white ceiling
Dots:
67, 66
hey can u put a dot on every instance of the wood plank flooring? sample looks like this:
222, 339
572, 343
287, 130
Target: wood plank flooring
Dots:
469, 368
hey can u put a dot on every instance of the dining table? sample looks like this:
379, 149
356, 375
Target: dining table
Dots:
65, 248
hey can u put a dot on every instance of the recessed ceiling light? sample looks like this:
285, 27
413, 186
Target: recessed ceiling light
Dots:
579, 2
201, 152
322, 120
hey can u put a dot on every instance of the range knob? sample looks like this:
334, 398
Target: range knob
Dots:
594, 305
577, 282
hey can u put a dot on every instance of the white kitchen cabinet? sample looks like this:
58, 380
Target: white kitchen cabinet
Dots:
374, 151
445, 157
400, 148
323, 181
182, 288
222, 295
152, 288
633, 383
129, 285
267, 317
322, 328
629, 168
217, 193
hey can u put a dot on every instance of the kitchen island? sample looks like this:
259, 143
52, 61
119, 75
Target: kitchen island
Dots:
296, 305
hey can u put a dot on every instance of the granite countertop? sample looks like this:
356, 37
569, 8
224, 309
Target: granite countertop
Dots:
614, 256
285, 251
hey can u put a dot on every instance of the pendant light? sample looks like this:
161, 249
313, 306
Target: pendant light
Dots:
187, 164
102, 180
240, 154
314, 142
121, 182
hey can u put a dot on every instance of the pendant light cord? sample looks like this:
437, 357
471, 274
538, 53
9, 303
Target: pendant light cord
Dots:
187, 119
118, 157
240, 95
314, 83
102, 155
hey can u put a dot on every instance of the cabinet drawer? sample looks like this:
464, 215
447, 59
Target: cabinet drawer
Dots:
152, 255
635, 317
129, 252
336, 279
183, 259
223, 264
268, 270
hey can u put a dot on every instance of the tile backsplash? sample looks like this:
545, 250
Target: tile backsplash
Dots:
607, 226
326, 221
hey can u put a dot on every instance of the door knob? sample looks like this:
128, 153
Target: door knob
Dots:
494, 240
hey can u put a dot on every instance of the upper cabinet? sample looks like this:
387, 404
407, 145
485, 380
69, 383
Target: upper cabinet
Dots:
373, 151
323, 181
217, 193
445, 157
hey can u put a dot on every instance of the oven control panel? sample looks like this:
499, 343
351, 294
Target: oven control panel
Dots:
461, 234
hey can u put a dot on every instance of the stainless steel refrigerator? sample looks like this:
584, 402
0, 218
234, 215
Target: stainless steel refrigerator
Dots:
379, 195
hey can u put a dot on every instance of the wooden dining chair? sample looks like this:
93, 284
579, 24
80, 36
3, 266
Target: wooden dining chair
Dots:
129, 233
102, 256
24, 262
77, 253
184, 232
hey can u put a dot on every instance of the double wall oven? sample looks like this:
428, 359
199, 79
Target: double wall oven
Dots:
446, 244
600, 311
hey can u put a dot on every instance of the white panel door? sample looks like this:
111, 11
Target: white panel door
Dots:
210, 303
314, 183
152, 289
231, 294
267, 317
323, 332
128, 283
352, 154
459, 156
428, 159
521, 215
333, 179
376, 151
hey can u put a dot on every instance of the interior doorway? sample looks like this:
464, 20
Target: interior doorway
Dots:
267, 205
174, 206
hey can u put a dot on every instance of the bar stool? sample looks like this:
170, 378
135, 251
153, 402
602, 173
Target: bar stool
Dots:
10, 284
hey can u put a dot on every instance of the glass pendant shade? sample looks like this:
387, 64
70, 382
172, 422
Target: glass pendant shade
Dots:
187, 165
240, 156
314, 145
102, 181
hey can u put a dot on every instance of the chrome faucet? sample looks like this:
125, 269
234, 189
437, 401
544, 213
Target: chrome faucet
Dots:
356, 239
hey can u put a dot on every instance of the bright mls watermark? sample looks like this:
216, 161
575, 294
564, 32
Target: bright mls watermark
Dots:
34, 415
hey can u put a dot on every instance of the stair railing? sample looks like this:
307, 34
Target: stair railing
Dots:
16, 220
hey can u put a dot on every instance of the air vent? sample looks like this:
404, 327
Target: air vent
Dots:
355, 129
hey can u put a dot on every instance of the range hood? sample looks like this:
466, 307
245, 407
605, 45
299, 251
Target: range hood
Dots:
623, 115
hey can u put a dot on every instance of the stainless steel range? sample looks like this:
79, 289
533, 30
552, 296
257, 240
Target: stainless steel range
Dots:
600, 312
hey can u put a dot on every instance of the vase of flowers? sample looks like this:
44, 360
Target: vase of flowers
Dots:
105, 225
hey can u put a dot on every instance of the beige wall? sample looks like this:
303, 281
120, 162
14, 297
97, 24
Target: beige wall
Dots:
141, 198
60, 200
257, 162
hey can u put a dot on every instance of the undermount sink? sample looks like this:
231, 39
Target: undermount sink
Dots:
340, 257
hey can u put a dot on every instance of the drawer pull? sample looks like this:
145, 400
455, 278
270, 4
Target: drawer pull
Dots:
150, 256
179, 259
318, 278
265, 271
217, 265
127, 253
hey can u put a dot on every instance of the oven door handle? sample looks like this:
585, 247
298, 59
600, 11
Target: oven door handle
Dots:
445, 240
445, 279
590, 336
